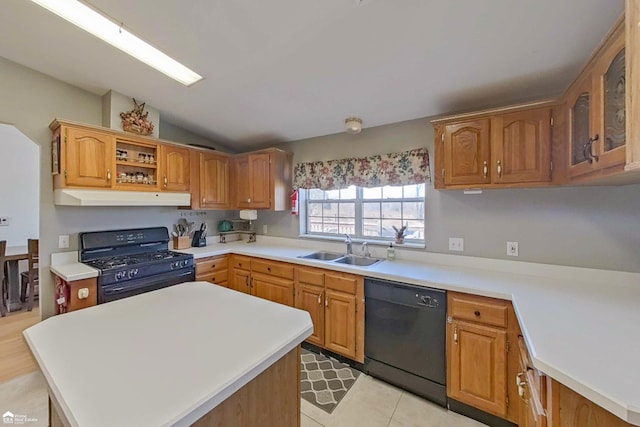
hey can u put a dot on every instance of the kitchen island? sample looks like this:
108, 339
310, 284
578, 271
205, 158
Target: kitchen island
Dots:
190, 354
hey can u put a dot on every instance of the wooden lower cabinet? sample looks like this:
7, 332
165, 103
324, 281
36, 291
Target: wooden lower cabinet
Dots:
482, 356
311, 299
213, 270
340, 323
272, 288
240, 280
478, 366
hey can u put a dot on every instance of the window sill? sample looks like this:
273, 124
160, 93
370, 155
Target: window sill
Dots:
371, 242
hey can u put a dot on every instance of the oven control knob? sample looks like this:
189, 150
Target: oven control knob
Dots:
183, 263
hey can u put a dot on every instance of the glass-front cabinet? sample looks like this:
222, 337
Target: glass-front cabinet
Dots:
136, 165
596, 112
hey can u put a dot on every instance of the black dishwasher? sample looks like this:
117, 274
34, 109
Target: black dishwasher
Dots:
405, 330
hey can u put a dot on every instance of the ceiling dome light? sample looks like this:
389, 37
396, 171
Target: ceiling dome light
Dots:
354, 125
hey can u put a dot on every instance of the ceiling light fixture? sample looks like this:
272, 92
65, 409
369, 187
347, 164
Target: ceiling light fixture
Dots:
354, 125
113, 33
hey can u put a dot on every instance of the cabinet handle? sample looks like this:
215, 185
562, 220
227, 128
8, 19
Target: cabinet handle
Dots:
319, 298
455, 334
591, 141
269, 269
165, 181
499, 168
521, 385
442, 174
246, 280
326, 301
485, 169
477, 313
249, 200
203, 200
251, 282
108, 175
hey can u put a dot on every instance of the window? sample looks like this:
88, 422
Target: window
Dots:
367, 213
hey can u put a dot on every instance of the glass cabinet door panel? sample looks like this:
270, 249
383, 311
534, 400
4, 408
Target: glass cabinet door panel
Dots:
614, 104
580, 128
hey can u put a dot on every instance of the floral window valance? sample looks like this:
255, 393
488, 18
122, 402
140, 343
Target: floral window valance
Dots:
408, 167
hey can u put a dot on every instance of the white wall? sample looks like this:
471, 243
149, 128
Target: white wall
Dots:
19, 186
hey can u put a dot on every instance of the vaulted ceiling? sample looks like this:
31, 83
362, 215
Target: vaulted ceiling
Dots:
282, 70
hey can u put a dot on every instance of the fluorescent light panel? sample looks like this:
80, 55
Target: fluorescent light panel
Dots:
102, 27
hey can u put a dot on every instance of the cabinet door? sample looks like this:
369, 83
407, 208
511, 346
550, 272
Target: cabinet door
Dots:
311, 299
260, 184
611, 88
581, 128
89, 158
214, 181
340, 323
477, 362
466, 153
521, 146
177, 168
240, 281
242, 183
273, 288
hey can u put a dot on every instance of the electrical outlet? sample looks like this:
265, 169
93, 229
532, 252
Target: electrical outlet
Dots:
512, 248
4, 221
265, 229
456, 244
63, 241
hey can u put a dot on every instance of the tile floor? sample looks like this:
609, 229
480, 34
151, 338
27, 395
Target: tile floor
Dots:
373, 403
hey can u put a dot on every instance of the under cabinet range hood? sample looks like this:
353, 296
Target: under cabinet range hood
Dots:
71, 197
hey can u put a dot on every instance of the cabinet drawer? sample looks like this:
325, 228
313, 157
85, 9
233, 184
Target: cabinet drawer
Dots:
215, 277
273, 268
341, 282
241, 262
478, 309
209, 265
310, 276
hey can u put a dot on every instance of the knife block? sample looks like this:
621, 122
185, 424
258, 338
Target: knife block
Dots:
182, 242
198, 239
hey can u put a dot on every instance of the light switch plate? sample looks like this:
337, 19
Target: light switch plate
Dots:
63, 241
456, 244
512, 248
4, 221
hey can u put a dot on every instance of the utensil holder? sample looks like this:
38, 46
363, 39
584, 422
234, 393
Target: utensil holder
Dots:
182, 242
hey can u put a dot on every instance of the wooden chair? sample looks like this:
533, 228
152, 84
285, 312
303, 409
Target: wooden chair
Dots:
29, 278
3, 279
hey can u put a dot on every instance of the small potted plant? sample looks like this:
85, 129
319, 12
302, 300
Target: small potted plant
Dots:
400, 233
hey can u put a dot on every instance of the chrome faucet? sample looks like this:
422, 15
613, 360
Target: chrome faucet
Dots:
365, 250
349, 243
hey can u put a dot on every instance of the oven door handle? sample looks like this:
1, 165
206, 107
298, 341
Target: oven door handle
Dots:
148, 283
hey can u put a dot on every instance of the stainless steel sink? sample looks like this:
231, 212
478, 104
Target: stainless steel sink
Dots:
359, 261
322, 256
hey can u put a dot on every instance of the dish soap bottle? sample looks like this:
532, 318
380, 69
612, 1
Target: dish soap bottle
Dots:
391, 252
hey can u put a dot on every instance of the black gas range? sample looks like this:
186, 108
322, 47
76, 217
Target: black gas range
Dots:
134, 261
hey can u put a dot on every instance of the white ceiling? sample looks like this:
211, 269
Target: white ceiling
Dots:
282, 70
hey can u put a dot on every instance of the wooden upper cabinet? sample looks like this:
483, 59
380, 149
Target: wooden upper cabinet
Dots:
478, 366
596, 109
260, 181
263, 180
242, 182
214, 181
176, 166
521, 146
89, 158
466, 153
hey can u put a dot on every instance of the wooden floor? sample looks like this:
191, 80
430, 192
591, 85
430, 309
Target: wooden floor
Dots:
15, 357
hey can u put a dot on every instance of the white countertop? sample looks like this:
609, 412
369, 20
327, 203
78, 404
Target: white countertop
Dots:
580, 324
164, 358
74, 271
